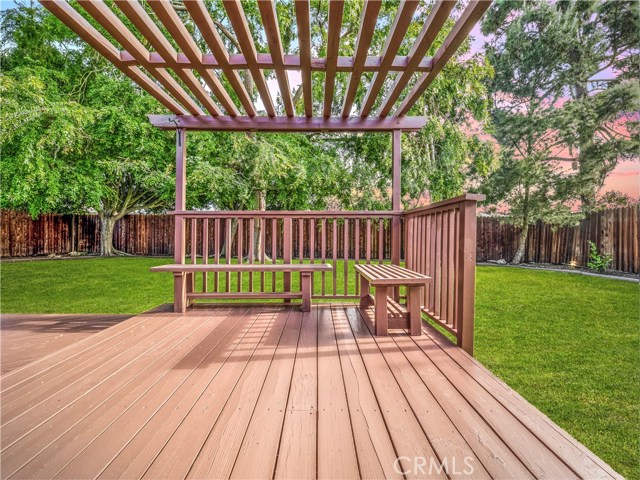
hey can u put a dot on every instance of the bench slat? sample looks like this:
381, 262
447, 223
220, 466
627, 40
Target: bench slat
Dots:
289, 267
390, 275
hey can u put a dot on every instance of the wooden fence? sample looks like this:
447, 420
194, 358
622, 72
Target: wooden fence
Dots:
614, 231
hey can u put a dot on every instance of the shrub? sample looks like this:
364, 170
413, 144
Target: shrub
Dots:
597, 262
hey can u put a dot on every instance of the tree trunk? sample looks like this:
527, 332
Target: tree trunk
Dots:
522, 245
107, 223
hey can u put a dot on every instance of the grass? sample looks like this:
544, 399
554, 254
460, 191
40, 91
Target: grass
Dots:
568, 343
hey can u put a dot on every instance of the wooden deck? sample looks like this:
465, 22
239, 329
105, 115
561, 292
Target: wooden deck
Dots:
269, 391
28, 337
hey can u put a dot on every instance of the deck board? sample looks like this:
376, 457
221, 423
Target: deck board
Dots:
29, 337
270, 392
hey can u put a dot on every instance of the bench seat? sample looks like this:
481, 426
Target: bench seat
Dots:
187, 295
244, 267
388, 312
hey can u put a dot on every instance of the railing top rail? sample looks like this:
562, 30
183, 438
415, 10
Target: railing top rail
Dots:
285, 213
473, 197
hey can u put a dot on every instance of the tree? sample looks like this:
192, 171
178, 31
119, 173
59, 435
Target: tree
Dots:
74, 135
582, 41
527, 182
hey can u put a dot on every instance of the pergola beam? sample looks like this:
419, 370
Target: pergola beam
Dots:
336, 9
436, 19
203, 21
78, 24
365, 34
243, 35
290, 62
286, 124
394, 40
461, 29
149, 30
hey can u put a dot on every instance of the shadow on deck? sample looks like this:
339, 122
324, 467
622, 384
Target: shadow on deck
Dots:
267, 391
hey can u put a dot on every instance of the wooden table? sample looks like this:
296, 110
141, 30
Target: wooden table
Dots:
383, 278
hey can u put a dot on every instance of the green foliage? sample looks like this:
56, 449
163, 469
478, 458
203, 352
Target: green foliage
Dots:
599, 263
569, 344
615, 199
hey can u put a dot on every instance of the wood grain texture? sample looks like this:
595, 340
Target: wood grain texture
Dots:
29, 337
250, 391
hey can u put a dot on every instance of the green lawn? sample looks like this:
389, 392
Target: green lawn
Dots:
570, 344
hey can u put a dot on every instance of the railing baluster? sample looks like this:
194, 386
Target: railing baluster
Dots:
251, 250
312, 249
205, 251
450, 266
287, 251
263, 247
334, 245
323, 253
357, 254
368, 242
229, 240
239, 251
217, 254
444, 277
274, 250
381, 240
345, 253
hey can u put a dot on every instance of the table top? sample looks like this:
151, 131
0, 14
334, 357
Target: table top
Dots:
381, 274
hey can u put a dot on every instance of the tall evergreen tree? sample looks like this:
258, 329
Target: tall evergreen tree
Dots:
581, 57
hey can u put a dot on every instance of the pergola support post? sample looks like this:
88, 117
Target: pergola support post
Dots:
182, 282
396, 153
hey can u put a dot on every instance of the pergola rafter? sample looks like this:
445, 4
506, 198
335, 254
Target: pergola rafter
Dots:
394, 40
190, 81
142, 21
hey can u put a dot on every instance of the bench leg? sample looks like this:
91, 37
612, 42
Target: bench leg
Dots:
365, 299
381, 316
179, 293
190, 287
413, 305
305, 283
287, 285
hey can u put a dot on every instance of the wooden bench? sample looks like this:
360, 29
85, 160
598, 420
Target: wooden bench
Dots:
306, 270
388, 312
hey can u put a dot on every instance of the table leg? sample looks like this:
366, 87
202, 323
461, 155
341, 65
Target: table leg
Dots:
381, 318
413, 305
305, 281
365, 299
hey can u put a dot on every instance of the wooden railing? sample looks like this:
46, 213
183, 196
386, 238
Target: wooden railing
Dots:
440, 241
339, 238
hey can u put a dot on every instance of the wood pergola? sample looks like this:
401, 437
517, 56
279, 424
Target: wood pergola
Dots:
169, 75
160, 54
